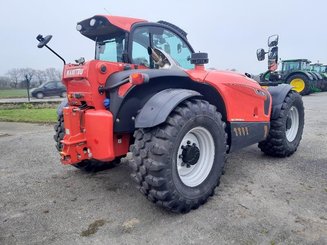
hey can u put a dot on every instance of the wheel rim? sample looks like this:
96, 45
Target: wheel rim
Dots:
298, 84
292, 123
39, 95
194, 168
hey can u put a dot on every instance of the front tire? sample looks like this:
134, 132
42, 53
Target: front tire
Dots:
178, 164
285, 131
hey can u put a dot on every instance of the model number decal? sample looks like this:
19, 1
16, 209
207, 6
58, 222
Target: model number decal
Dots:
241, 131
74, 72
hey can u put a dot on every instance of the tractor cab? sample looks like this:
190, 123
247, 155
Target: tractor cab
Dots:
293, 65
317, 67
138, 42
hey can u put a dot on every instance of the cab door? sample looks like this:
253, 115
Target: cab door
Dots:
163, 37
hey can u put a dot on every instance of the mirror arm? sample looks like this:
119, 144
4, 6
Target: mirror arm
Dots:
55, 54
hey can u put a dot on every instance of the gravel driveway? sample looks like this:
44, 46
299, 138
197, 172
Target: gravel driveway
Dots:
261, 200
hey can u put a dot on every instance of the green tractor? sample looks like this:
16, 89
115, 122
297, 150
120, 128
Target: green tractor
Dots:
322, 70
294, 72
298, 74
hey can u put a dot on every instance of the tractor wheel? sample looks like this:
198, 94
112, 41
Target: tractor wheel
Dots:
300, 84
86, 165
324, 85
285, 131
178, 164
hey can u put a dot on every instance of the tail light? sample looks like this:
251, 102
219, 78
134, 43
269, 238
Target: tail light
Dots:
138, 78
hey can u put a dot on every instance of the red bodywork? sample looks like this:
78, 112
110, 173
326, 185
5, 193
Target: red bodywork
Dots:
236, 89
89, 131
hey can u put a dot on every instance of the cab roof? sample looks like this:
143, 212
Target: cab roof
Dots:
297, 60
124, 23
99, 26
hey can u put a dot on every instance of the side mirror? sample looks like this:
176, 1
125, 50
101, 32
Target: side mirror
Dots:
273, 53
273, 59
261, 53
43, 40
273, 41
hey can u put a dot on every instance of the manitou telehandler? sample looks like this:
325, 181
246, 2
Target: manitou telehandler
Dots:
147, 95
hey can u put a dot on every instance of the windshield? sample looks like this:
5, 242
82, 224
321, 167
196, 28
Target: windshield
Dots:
305, 65
289, 66
316, 68
111, 49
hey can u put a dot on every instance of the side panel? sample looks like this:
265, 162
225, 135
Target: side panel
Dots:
244, 98
247, 133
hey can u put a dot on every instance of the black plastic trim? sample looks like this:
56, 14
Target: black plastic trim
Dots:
158, 107
244, 134
278, 95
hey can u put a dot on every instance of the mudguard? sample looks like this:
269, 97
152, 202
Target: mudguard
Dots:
305, 73
278, 95
159, 106
60, 108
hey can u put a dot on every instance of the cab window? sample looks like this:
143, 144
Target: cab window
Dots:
160, 38
111, 49
141, 42
172, 44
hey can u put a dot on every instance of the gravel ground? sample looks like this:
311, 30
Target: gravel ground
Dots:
261, 200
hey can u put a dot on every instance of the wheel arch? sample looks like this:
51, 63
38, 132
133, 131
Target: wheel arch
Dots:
278, 95
303, 73
127, 108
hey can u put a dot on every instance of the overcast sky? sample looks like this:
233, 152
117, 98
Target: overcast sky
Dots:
230, 30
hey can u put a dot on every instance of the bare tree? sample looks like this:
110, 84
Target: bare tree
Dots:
4, 82
14, 76
27, 74
53, 74
39, 77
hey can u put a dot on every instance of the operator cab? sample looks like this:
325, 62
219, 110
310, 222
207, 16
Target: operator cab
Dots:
133, 41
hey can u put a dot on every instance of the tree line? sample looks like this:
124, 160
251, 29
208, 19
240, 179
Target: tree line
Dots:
20, 77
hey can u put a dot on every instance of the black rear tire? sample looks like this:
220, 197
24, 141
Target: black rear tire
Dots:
324, 85
154, 157
86, 165
277, 143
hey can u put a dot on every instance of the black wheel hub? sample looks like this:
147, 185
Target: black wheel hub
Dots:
288, 123
190, 154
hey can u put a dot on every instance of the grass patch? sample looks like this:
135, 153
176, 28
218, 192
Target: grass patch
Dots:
43, 115
30, 105
13, 93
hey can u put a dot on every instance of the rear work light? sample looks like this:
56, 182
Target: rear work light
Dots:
138, 78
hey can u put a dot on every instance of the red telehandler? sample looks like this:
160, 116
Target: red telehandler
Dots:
147, 95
